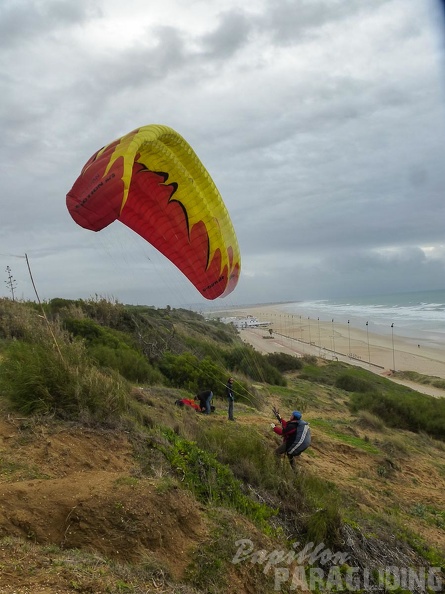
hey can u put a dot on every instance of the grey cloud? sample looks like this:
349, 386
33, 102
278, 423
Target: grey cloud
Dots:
22, 20
344, 273
230, 35
294, 21
169, 51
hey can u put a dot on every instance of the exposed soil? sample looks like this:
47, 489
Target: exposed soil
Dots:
74, 488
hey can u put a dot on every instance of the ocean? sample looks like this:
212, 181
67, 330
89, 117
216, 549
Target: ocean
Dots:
417, 316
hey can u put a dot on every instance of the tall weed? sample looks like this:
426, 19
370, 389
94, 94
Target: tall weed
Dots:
39, 378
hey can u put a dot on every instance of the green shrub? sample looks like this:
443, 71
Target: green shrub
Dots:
58, 304
37, 378
247, 453
95, 334
284, 362
188, 372
317, 505
245, 360
85, 328
129, 363
419, 378
410, 410
351, 383
309, 360
211, 481
19, 321
313, 373
324, 523
113, 350
322, 374
34, 378
212, 375
182, 371
105, 311
202, 349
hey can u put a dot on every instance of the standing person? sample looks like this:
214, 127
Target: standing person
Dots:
205, 398
296, 435
230, 397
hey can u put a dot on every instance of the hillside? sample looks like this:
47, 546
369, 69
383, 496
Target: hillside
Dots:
155, 498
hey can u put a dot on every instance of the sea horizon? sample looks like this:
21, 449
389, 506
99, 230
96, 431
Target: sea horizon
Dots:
417, 315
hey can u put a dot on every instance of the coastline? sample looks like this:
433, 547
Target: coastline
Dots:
300, 336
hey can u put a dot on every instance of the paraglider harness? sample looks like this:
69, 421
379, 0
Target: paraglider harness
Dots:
296, 441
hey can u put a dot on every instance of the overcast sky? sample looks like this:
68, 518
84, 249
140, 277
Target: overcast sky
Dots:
322, 122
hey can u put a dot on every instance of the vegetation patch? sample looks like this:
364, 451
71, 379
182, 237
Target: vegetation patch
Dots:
411, 411
245, 360
430, 514
322, 374
211, 569
418, 378
41, 380
343, 436
257, 466
211, 481
284, 362
16, 471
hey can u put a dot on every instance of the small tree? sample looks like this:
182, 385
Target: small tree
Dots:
11, 282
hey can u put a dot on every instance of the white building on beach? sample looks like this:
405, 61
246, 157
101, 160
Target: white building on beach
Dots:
247, 322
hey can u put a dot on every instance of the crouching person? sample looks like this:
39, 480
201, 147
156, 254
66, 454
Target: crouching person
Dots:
205, 399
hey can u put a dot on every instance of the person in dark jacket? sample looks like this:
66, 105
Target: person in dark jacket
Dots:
230, 397
296, 436
205, 398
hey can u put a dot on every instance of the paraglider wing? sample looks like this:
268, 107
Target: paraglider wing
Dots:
153, 182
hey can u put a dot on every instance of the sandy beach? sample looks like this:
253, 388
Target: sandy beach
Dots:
380, 354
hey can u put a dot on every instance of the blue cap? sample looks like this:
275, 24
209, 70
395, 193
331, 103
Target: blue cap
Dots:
297, 415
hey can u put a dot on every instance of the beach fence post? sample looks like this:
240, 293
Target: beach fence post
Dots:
369, 352
301, 333
393, 353
319, 340
333, 336
349, 341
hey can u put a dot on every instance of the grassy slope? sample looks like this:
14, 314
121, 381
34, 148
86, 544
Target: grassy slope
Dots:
111, 509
